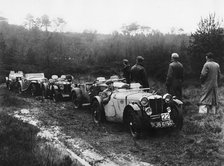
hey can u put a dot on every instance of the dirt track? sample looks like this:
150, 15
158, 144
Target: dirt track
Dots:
113, 142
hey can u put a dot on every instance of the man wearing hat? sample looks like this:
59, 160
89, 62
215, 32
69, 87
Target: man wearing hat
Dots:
126, 71
107, 92
174, 77
138, 73
210, 76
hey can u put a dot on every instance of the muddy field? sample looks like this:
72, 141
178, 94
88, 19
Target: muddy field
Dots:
199, 143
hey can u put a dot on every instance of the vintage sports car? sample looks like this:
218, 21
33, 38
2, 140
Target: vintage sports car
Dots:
83, 93
138, 109
58, 88
12, 81
31, 82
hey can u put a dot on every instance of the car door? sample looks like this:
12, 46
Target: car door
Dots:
119, 105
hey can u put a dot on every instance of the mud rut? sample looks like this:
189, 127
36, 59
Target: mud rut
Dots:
110, 142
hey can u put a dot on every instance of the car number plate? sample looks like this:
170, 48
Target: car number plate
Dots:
162, 124
165, 116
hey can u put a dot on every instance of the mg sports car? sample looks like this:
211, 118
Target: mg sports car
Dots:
58, 88
12, 82
138, 109
31, 82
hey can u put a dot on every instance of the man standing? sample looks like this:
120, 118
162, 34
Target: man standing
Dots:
126, 71
138, 73
209, 77
174, 77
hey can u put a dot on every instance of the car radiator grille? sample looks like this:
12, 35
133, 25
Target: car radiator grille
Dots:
156, 105
67, 88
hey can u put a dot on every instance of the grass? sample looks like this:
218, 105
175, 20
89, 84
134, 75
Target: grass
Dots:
17, 141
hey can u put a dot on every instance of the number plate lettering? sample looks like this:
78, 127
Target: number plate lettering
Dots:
165, 116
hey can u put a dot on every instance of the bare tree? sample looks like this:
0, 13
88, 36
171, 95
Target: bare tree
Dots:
45, 21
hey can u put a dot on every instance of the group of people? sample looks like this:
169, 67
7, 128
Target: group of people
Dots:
209, 77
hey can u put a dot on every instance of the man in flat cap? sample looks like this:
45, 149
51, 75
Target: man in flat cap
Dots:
174, 77
209, 77
138, 73
126, 71
107, 92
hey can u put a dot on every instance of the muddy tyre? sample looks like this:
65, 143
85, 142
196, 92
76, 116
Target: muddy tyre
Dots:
76, 101
97, 112
19, 89
133, 124
9, 87
177, 117
44, 93
33, 90
56, 96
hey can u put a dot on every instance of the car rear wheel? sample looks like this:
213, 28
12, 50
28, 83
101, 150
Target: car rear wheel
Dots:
133, 123
76, 101
97, 112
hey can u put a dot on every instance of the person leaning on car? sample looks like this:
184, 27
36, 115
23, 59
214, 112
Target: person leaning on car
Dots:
138, 73
174, 77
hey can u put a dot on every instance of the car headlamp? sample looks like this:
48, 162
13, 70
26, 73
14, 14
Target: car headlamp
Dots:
167, 97
144, 101
61, 86
148, 111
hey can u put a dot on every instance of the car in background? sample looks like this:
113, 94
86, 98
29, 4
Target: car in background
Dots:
138, 109
12, 81
31, 82
83, 93
58, 88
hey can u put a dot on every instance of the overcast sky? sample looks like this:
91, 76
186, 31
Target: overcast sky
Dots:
105, 16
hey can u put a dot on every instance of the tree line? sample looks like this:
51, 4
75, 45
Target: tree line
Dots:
34, 48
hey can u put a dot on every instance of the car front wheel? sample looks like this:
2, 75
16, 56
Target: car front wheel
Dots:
133, 123
55, 96
177, 117
97, 112
44, 93
33, 90
76, 101
19, 90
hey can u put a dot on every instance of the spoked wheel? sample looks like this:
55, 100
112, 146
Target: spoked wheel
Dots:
76, 101
134, 124
177, 117
44, 93
97, 112
19, 90
55, 97
33, 90
9, 87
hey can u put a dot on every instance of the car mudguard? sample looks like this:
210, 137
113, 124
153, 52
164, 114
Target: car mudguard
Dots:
98, 98
133, 106
77, 91
55, 87
177, 101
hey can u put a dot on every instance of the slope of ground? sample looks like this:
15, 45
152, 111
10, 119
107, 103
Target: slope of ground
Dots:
199, 143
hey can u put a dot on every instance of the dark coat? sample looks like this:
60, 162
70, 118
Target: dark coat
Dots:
138, 75
174, 79
210, 75
127, 73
